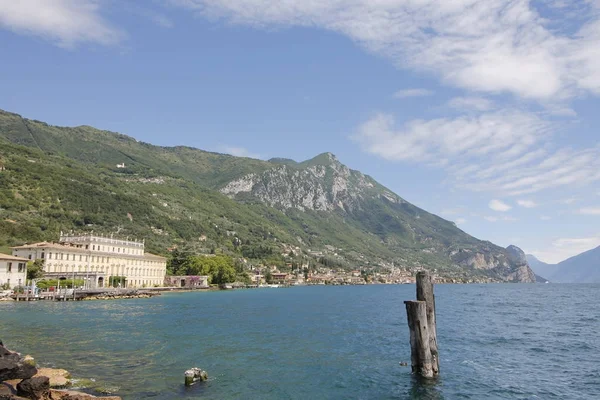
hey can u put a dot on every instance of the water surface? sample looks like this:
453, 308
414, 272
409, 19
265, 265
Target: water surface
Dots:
496, 342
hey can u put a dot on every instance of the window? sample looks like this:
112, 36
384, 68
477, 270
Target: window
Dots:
94, 247
21, 267
49, 256
9, 267
67, 257
80, 257
30, 256
87, 246
43, 255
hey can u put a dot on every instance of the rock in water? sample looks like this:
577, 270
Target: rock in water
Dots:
71, 395
59, 378
194, 375
13, 366
35, 388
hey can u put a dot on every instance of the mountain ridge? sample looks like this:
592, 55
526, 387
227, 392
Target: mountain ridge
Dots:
581, 268
315, 205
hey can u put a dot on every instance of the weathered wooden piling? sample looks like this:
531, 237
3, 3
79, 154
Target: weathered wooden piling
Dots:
425, 293
423, 332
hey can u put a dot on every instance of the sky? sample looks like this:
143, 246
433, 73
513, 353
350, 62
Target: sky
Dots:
484, 112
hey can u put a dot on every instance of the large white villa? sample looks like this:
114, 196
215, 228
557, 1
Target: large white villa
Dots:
96, 259
13, 270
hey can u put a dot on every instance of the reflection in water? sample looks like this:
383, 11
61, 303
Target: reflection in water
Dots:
425, 389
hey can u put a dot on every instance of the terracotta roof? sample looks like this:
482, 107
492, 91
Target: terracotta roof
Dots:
11, 258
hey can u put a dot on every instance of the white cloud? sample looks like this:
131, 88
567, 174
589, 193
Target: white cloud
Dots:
589, 211
564, 248
239, 152
545, 218
491, 218
472, 103
491, 46
498, 205
507, 152
527, 203
460, 221
66, 22
405, 93
501, 133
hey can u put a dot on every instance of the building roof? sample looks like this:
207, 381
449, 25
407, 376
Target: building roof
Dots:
48, 245
11, 258
78, 248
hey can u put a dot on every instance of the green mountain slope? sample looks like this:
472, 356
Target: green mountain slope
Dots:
320, 211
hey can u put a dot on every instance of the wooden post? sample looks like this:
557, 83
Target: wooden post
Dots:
420, 353
423, 332
425, 293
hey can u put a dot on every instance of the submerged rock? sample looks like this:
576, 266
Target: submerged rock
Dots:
72, 395
59, 378
194, 375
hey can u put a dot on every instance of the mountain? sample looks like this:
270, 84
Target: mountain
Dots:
541, 268
583, 268
278, 211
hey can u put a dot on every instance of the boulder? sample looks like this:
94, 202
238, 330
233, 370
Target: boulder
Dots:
13, 366
36, 388
59, 378
194, 375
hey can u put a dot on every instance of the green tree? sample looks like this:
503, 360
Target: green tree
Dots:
35, 269
268, 276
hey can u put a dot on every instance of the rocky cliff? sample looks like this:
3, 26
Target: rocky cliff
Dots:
320, 184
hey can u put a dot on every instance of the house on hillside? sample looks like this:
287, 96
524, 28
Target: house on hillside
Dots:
13, 270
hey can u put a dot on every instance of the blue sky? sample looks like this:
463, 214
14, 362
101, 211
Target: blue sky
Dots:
483, 112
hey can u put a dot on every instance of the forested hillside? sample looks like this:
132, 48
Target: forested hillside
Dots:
276, 211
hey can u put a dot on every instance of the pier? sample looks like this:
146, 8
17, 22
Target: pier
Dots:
85, 294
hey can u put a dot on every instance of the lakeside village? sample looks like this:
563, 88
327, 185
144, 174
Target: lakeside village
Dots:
93, 265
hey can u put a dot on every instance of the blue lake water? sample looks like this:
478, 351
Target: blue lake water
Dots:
496, 342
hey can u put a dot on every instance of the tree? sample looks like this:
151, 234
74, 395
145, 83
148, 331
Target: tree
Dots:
268, 276
225, 274
35, 269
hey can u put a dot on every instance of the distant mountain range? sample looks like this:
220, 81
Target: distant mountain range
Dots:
273, 212
583, 268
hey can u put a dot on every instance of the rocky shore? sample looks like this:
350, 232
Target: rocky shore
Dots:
20, 379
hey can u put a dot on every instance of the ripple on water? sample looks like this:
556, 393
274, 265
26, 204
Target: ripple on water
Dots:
496, 341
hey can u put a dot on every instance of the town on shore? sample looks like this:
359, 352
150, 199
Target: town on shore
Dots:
95, 264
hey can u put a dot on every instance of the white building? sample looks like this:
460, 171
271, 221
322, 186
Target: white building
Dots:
13, 270
96, 259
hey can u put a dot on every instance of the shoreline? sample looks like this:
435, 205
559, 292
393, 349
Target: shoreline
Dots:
21, 379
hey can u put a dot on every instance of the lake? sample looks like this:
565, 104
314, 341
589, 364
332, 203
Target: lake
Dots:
345, 342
